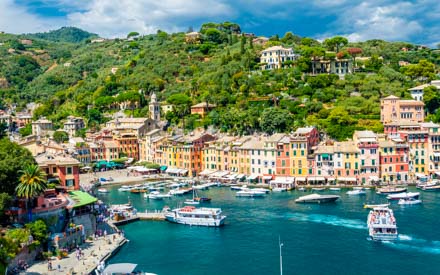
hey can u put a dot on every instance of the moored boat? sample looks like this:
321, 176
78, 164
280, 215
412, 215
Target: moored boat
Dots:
382, 224
191, 215
103, 190
279, 189
404, 195
318, 189
409, 201
371, 206
431, 188
334, 189
391, 190
317, 198
250, 193
356, 192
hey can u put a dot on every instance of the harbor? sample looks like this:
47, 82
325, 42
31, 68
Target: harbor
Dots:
330, 231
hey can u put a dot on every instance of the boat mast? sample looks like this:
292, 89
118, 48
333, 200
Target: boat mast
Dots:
281, 256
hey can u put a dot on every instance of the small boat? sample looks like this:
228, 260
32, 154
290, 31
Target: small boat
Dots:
404, 195
250, 193
279, 189
334, 189
156, 195
202, 199
193, 200
356, 192
260, 190
409, 201
421, 185
103, 190
138, 190
317, 198
318, 189
371, 206
124, 189
382, 224
391, 190
302, 189
431, 188
191, 215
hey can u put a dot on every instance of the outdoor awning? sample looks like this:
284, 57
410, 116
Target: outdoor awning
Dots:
300, 178
283, 180
81, 198
315, 178
419, 175
163, 168
207, 172
240, 176
373, 178
182, 171
330, 179
252, 177
346, 179
437, 173
219, 174
267, 177
144, 169
436, 154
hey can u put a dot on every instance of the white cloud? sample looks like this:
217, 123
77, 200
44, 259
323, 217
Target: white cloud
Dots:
17, 19
112, 18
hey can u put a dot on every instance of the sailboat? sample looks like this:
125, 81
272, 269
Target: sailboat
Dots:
192, 201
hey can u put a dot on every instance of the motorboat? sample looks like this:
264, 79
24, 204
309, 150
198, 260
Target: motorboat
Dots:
302, 189
202, 199
179, 192
156, 195
391, 190
356, 192
124, 189
260, 190
409, 201
103, 190
382, 224
201, 187
191, 215
138, 190
404, 195
421, 185
318, 189
334, 189
279, 189
371, 206
431, 188
250, 193
317, 198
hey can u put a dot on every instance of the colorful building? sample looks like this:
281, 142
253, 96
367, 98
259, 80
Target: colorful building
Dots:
60, 168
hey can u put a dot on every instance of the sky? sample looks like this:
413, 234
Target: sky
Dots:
393, 20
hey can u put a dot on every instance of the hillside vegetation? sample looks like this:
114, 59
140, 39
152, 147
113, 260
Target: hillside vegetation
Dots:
223, 69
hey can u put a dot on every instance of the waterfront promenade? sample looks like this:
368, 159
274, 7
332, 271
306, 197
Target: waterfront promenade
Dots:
93, 253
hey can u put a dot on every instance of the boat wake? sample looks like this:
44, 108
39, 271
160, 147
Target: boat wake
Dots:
328, 219
409, 243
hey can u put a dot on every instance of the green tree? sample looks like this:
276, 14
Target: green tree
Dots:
335, 43
132, 34
32, 184
13, 158
3, 129
5, 203
314, 53
8, 250
38, 230
275, 120
60, 136
431, 97
26, 130
424, 70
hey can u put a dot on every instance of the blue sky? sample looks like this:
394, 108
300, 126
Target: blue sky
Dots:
413, 21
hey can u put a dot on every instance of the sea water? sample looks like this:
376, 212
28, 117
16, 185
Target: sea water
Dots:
317, 238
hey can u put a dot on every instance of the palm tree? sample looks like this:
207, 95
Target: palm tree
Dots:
32, 184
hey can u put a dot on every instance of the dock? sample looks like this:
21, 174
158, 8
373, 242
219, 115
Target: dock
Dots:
142, 216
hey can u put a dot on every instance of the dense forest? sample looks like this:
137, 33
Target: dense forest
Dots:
69, 75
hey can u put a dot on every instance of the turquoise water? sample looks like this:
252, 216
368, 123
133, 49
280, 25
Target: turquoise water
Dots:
318, 239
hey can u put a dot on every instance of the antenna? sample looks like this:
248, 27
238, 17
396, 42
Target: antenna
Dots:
281, 256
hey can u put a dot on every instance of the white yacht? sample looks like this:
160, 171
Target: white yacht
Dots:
191, 215
103, 190
279, 189
356, 192
404, 195
156, 195
409, 201
317, 198
124, 189
260, 190
250, 193
382, 224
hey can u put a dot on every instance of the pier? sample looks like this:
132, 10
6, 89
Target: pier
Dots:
142, 216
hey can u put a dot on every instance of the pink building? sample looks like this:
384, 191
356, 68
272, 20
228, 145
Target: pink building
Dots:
283, 157
394, 159
368, 145
394, 109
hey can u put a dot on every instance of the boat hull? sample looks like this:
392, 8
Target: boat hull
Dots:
196, 222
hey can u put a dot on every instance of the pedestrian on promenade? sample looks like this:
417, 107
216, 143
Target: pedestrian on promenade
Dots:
49, 265
105, 234
59, 268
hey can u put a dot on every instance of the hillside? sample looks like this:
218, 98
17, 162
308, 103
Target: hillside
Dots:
65, 34
223, 69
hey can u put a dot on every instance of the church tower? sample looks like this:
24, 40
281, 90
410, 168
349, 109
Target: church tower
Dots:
154, 108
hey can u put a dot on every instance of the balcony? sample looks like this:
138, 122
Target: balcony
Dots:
368, 145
